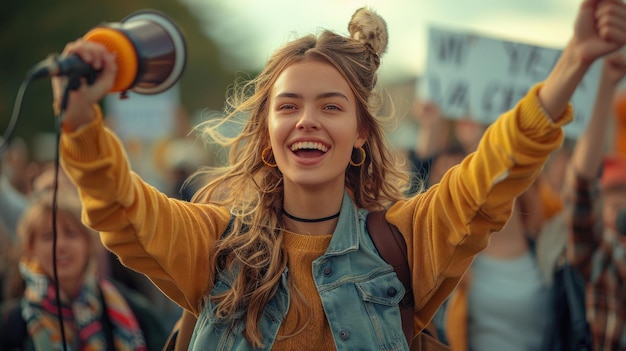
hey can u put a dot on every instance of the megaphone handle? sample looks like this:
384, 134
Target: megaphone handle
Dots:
73, 82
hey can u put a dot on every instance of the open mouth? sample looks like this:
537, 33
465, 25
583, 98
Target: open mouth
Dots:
309, 149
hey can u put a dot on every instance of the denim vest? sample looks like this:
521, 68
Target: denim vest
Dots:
360, 293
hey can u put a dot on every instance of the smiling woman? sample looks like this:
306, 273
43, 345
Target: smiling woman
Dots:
96, 311
312, 146
312, 123
76, 244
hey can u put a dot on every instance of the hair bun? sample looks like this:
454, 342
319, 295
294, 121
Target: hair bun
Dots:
367, 27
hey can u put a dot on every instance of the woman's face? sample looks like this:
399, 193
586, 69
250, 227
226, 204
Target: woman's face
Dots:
313, 125
72, 248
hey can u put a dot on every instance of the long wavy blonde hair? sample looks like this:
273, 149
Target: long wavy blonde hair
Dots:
254, 192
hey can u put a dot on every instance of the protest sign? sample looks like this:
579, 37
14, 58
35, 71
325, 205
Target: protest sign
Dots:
480, 77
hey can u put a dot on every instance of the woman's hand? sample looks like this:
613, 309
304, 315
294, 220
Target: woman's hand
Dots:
433, 133
79, 110
427, 113
600, 29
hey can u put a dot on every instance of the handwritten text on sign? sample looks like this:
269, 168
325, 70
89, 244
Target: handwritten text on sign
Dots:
480, 77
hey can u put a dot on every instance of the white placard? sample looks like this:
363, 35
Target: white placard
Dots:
481, 77
143, 117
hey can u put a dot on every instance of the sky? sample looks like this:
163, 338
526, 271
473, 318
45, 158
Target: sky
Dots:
250, 30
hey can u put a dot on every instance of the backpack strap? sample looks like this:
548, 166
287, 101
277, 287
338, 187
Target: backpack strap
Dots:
392, 248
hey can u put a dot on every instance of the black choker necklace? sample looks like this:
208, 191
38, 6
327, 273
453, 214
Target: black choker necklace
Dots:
314, 220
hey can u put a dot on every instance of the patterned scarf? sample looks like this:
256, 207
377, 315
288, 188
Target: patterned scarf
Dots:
82, 317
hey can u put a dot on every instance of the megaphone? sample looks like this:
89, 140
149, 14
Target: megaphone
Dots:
151, 54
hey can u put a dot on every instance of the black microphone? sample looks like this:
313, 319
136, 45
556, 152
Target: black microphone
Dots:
150, 51
620, 221
72, 65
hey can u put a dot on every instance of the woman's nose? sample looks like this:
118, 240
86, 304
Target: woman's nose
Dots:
62, 240
308, 119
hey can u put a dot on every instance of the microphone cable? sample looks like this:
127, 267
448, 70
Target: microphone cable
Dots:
5, 140
72, 83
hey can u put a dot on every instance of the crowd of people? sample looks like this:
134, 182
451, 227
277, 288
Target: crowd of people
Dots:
273, 250
507, 299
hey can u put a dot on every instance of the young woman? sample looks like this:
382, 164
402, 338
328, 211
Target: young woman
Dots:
274, 252
97, 313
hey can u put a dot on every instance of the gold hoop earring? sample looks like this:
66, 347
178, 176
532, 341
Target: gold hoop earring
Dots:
363, 155
269, 148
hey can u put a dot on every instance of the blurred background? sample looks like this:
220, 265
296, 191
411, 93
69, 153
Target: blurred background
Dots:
230, 37
250, 30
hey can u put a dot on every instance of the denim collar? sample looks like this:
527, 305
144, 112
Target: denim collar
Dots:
349, 227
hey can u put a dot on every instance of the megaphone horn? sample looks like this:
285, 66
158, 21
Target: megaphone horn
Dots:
158, 55
151, 53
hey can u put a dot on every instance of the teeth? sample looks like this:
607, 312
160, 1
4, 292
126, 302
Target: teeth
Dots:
310, 145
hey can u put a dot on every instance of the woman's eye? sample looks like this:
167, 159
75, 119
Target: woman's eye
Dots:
332, 107
286, 107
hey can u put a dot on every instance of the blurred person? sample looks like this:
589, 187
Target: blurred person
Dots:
274, 252
49, 178
43, 183
98, 313
504, 300
595, 191
6, 247
46, 181
12, 205
12, 200
440, 144
179, 158
109, 265
16, 160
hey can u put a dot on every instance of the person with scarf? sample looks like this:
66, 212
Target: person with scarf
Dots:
97, 313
